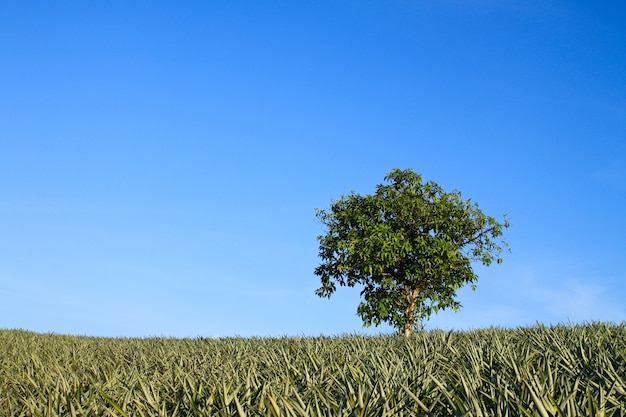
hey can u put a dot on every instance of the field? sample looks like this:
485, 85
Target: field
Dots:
573, 370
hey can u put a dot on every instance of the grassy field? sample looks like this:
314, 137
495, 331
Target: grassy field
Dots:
534, 371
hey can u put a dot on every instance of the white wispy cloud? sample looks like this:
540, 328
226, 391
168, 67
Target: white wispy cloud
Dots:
526, 294
541, 294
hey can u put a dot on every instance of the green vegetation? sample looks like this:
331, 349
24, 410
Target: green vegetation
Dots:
410, 245
537, 371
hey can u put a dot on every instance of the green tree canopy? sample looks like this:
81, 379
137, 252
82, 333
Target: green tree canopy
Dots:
410, 245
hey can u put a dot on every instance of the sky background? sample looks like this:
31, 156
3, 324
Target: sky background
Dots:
161, 162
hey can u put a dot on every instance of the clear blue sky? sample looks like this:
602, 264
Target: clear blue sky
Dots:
160, 162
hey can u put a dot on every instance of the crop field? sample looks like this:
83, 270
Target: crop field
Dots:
565, 370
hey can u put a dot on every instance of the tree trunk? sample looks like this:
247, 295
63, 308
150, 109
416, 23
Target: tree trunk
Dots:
408, 329
409, 311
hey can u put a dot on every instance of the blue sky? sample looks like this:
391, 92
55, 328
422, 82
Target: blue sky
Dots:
161, 162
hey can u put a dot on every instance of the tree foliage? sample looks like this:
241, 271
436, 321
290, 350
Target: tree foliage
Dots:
410, 245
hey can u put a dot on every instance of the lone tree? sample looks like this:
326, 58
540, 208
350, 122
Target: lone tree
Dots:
410, 245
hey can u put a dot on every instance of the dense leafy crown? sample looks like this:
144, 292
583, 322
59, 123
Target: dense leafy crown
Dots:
410, 245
